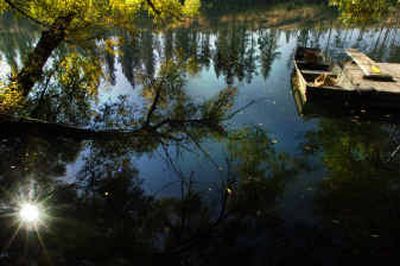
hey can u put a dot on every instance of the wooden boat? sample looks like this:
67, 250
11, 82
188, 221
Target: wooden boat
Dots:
310, 65
359, 82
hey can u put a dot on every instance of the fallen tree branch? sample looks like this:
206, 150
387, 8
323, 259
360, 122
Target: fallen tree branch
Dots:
20, 124
13, 124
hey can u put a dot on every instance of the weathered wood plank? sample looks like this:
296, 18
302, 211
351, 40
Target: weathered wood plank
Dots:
354, 79
316, 72
369, 67
302, 83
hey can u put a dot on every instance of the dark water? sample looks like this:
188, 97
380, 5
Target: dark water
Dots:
270, 186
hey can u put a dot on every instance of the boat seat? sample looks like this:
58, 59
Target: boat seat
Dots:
313, 66
317, 72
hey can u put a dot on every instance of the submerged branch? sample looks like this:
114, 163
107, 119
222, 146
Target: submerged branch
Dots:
12, 124
36, 126
240, 110
153, 106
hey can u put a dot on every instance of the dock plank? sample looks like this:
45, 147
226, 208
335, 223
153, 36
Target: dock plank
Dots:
354, 79
369, 67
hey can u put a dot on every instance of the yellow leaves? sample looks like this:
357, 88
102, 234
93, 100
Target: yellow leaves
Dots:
172, 11
111, 46
363, 11
191, 8
104, 13
3, 6
121, 13
10, 98
123, 10
78, 72
125, 4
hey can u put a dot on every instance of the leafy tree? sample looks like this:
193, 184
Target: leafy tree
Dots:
64, 19
364, 11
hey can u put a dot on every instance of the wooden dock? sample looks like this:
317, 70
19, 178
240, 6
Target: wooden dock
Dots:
369, 67
357, 77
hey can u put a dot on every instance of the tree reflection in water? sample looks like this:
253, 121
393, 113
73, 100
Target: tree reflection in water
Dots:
103, 214
105, 211
105, 203
358, 199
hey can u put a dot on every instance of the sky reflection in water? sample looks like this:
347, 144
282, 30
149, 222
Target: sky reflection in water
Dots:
311, 189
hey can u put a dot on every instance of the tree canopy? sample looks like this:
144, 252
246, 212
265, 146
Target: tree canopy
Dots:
67, 19
364, 11
91, 12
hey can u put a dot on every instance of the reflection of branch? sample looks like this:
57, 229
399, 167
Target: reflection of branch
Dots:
45, 86
179, 173
151, 4
198, 236
206, 154
240, 110
154, 104
176, 123
393, 154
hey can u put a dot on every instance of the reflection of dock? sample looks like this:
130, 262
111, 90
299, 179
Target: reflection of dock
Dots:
360, 82
332, 109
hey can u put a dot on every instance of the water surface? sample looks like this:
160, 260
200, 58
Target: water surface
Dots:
273, 187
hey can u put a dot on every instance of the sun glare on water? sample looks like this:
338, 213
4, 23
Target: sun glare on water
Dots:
29, 213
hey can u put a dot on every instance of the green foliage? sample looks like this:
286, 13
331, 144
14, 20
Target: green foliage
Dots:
88, 13
69, 88
364, 11
79, 72
217, 107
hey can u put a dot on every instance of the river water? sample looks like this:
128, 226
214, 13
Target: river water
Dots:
270, 186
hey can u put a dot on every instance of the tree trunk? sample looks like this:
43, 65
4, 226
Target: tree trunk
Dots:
49, 41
